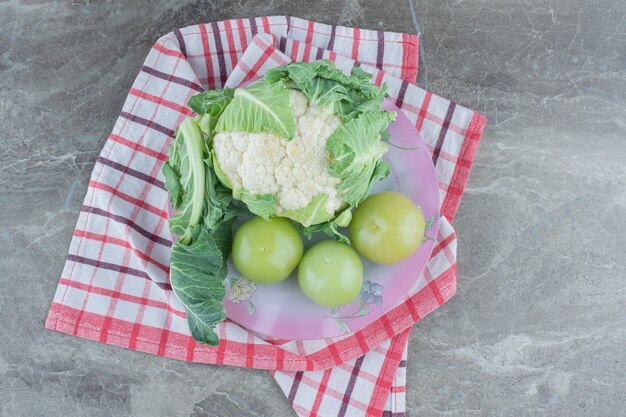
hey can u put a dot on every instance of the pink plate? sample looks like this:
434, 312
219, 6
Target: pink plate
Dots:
282, 311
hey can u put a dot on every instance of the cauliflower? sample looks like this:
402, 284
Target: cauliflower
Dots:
304, 142
294, 170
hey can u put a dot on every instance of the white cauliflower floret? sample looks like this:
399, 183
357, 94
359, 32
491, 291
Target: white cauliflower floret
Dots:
257, 164
293, 170
230, 155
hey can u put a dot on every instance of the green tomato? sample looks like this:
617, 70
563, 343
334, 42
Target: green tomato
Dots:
387, 228
267, 251
331, 273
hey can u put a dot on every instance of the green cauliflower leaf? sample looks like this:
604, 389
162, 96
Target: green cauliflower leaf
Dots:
260, 107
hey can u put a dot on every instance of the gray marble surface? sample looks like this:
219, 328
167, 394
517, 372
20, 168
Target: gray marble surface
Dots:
538, 326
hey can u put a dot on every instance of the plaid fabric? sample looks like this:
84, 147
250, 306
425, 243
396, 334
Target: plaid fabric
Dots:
214, 49
114, 287
370, 385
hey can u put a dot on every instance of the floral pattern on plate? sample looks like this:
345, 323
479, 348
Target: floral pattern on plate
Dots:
371, 294
242, 289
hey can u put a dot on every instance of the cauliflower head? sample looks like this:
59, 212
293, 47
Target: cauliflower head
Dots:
304, 142
295, 170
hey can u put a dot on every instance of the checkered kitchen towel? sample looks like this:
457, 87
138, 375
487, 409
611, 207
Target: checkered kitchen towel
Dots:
114, 287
